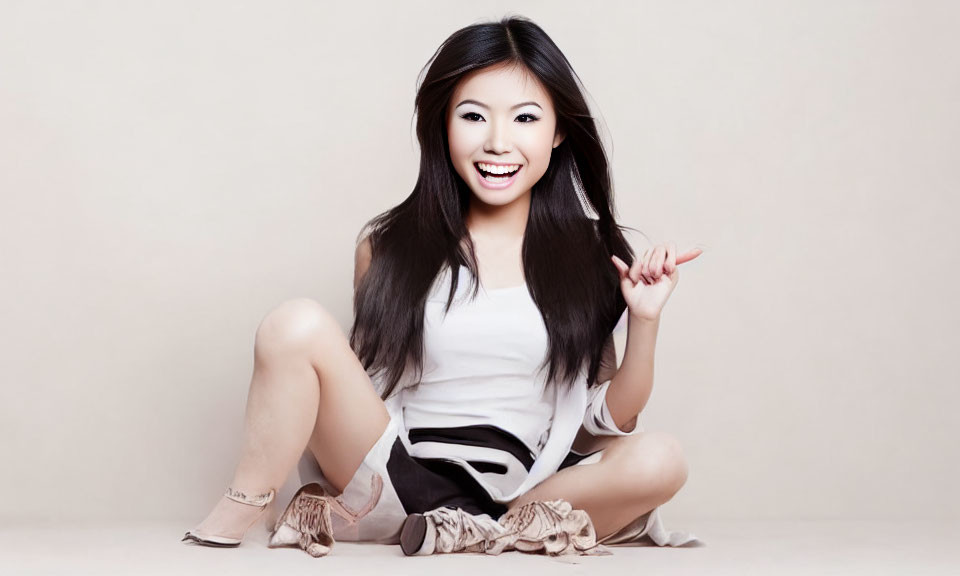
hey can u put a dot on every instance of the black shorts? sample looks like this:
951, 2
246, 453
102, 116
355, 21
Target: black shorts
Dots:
424, 484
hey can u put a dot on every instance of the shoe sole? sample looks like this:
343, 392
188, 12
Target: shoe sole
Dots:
191, 538
412, 533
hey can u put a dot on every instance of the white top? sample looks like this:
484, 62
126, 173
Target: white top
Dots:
480, 366
480, 363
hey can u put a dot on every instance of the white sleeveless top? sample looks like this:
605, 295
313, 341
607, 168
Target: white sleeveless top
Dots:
479, 368
480, 363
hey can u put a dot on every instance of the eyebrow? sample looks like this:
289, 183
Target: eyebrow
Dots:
482, 105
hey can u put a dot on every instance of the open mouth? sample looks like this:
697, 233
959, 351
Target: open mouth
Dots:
495, 178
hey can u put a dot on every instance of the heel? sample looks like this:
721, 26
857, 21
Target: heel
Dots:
413, 533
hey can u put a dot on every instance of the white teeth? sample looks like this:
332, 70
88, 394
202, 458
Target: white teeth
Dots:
498, 169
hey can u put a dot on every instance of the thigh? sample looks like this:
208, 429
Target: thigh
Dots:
626, 467
350, 414
587, 443
575, 481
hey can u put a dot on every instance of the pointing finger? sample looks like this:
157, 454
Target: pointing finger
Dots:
689, 255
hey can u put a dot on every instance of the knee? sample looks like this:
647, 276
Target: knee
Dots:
294, 325
656, 462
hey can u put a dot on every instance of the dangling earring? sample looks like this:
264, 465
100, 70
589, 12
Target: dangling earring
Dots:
588, 209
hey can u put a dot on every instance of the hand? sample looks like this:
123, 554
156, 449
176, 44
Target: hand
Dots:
648, 283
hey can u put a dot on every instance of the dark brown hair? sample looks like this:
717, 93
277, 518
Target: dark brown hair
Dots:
566, 255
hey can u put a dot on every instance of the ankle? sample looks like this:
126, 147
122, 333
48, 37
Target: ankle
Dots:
230, 518
249, 497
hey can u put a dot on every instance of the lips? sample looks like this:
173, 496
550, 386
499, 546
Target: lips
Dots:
497, 181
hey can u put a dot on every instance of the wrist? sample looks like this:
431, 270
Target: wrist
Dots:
644, 320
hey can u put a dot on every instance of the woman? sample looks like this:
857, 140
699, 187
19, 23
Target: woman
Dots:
484, 306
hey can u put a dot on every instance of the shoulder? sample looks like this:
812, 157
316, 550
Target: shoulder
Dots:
363, 256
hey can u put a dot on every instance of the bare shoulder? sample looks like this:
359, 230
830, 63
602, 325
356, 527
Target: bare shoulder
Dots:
361, 260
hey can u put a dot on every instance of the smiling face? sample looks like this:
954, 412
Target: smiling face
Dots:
501, 120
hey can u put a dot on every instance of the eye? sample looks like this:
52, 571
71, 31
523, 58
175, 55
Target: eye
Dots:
474, 117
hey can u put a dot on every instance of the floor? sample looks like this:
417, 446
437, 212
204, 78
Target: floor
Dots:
778, 548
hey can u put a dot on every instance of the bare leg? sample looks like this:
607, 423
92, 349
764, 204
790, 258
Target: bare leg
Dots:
308, 388
637, 474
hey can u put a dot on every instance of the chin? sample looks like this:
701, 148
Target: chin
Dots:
495, 199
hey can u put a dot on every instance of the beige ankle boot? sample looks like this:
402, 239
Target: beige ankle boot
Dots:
446, 530
552, 528
307, 520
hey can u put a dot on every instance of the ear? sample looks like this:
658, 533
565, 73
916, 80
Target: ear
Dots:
558, 138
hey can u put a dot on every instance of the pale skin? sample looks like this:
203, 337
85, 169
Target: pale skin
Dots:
309, 390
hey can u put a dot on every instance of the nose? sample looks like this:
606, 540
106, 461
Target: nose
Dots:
498, 138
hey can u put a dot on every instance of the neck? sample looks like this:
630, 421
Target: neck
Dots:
508, 221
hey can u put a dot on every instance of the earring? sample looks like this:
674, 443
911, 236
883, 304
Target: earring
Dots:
588, 209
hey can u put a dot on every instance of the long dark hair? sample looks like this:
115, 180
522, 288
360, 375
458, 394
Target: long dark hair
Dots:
566, 255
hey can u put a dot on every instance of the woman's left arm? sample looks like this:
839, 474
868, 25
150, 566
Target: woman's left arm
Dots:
646, 285
631, 385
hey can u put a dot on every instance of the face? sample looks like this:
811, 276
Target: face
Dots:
501, 120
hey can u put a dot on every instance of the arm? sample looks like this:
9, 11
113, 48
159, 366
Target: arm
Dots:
646, 285
630, 387
598, 420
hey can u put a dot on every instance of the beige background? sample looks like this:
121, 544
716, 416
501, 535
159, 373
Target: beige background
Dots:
169, 172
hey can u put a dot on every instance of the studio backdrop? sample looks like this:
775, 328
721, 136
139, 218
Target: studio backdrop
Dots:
170, 172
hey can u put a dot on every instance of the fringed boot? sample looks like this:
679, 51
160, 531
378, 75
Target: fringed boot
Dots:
307, 520
552, 528
446, 530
